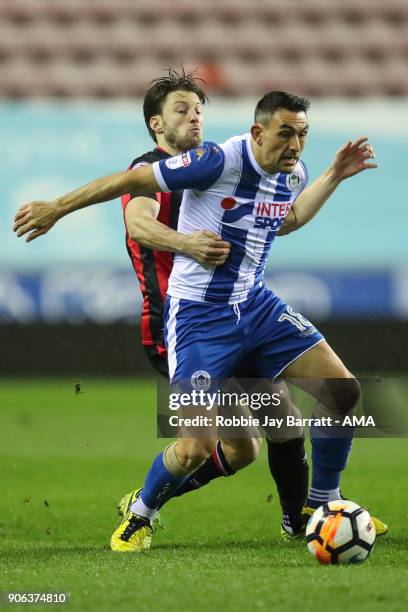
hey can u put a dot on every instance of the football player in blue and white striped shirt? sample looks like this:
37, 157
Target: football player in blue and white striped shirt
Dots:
246, 191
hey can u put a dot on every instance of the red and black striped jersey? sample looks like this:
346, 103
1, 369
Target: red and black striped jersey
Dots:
153, 267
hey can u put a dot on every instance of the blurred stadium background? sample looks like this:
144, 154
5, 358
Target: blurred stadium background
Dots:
72, 75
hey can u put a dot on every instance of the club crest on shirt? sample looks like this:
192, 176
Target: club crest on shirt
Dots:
201, 380
292, 181
179, 161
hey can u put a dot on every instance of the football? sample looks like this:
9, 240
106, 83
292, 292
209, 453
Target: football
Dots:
340, 532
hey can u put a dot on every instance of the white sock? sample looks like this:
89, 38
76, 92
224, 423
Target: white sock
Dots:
317, 497
138, 507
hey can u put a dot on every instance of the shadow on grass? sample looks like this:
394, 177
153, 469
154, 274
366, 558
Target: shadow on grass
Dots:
266, 548
53, 551
45, 553
396, 542
223, 545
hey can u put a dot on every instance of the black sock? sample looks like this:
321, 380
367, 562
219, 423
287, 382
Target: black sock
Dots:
215, 466
290, 470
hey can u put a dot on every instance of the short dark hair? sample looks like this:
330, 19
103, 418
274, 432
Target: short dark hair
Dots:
175, 80
275, 100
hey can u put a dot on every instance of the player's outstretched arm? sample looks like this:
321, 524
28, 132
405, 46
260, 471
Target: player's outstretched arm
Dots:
203, 246
352, 158
38, 217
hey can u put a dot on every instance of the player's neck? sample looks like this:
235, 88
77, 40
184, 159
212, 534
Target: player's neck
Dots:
260, 160
164, 146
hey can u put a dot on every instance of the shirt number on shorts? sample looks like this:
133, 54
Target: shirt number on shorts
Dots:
295, 318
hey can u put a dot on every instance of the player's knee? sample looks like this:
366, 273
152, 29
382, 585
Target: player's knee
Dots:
192, 460
251, 449
193, 454
345, 393
241, 452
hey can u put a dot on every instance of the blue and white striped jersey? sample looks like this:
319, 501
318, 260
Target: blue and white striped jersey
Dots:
227, 193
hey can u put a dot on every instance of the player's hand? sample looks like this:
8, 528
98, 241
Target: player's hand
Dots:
207, 248
35, 219
354, 157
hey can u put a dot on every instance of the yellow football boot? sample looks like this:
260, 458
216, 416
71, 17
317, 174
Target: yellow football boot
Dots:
134, 533
124, 504
380, 527
292, 537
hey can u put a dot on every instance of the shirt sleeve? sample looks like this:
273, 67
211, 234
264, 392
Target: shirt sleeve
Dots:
196, 169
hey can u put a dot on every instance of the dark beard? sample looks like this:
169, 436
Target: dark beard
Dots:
181, 144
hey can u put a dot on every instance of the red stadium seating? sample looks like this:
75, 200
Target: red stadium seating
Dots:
108, 48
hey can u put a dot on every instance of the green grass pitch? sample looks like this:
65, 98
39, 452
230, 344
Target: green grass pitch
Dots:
65, 461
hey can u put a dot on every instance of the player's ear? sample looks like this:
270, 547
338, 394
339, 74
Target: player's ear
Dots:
156, 124
257, 133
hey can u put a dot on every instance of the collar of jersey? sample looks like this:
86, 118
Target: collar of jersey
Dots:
159, 148
253, 161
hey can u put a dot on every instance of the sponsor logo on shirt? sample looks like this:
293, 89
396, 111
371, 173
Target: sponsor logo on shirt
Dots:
270, 215
228, 203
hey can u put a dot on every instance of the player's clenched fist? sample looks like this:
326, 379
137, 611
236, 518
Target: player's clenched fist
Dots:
36, 217
207, 248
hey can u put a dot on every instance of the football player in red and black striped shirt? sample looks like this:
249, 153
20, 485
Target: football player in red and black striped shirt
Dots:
173, 114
